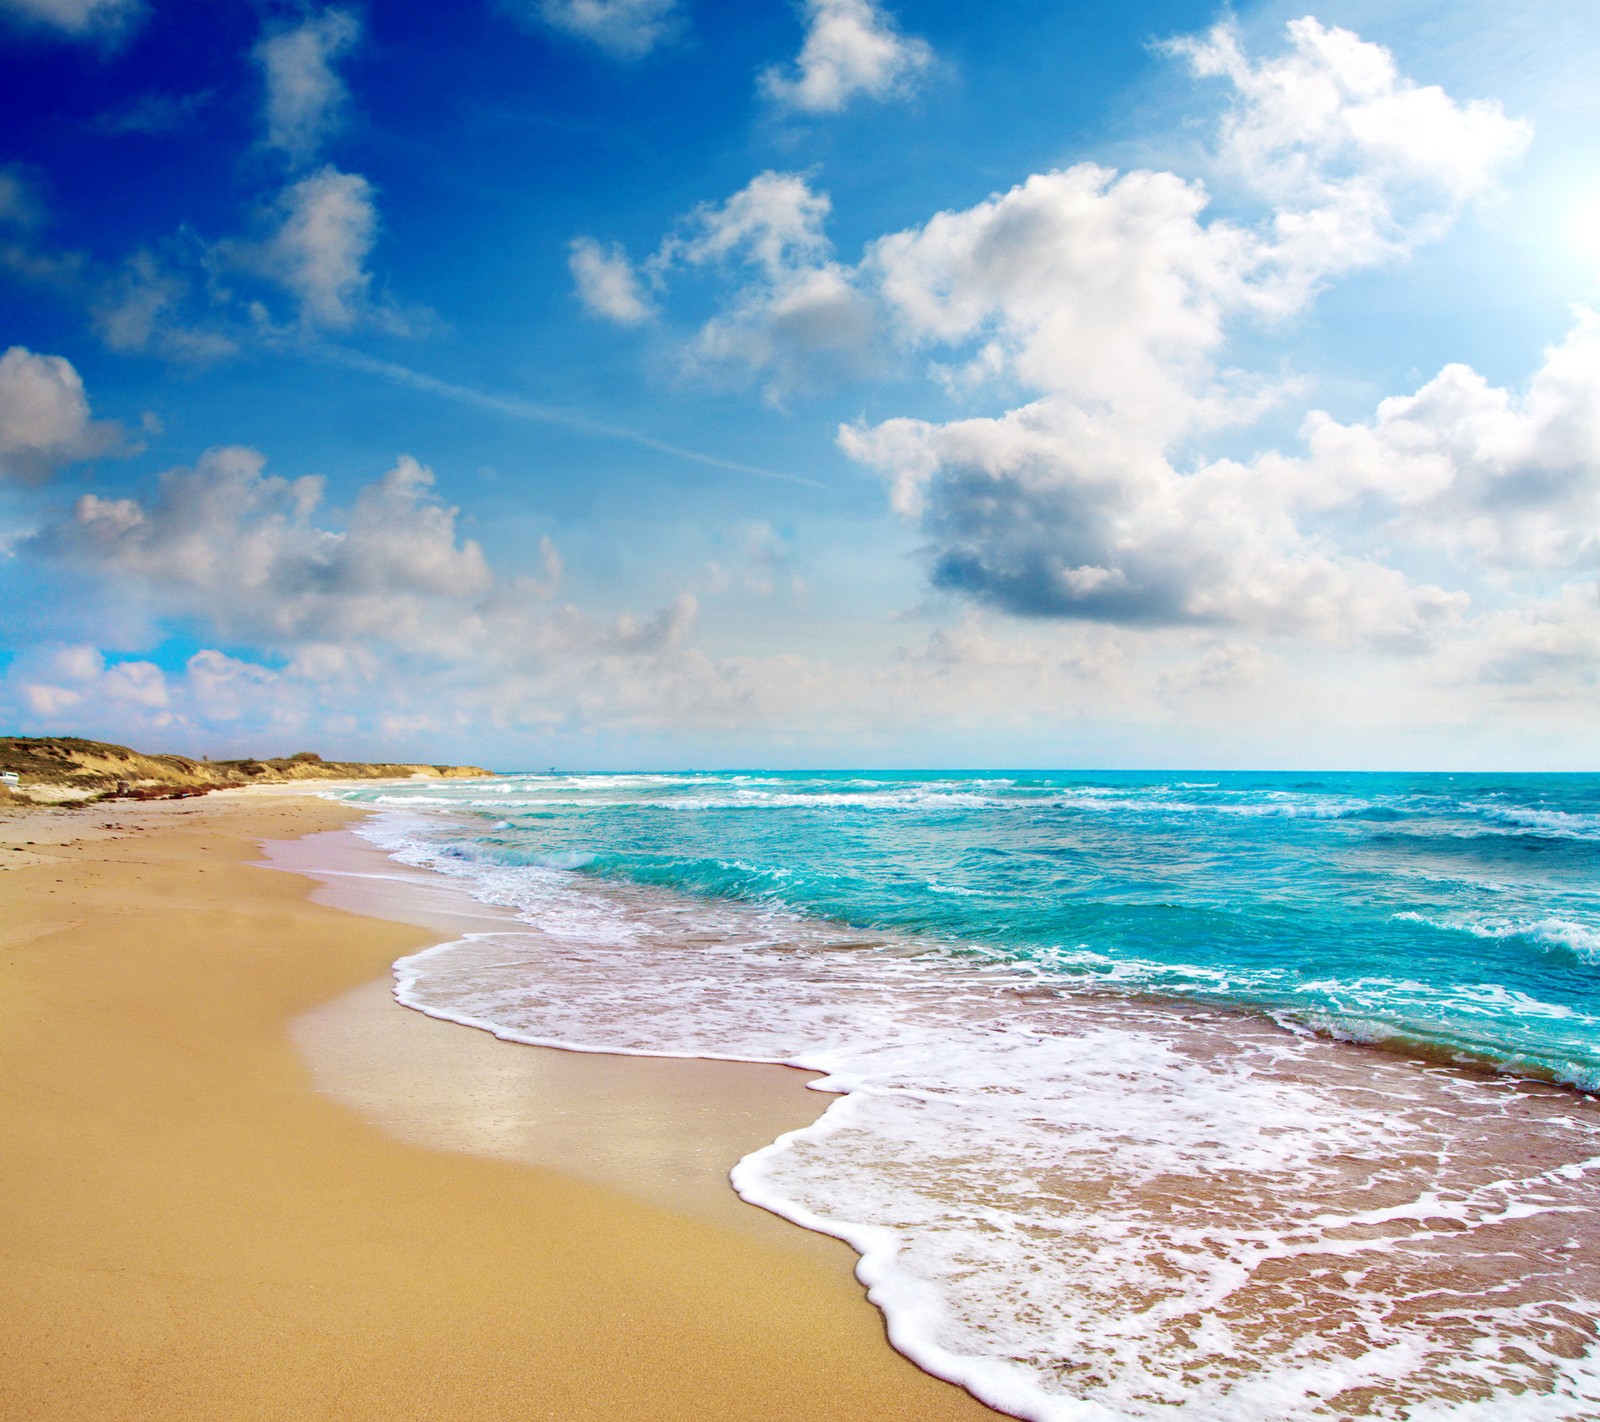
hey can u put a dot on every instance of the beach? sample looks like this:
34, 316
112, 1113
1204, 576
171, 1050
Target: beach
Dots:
1235, 1095
193, 1230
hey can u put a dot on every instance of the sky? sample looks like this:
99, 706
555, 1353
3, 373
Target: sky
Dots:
666, 384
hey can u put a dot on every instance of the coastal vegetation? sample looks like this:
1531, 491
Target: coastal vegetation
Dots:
71, 770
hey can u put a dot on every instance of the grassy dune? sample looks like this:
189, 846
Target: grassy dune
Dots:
66, 769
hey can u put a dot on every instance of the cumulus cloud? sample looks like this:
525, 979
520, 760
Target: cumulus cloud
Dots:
388, 582
306, 97
1504, 479
1114, 288
851, 49
623, 29
607, 283
44, 417
1051, 512
775, 223
1116, 291
244, 549
182, 298
329, 223
79, 687
1111, 297
383, 604
179, 297
805, 332
1547, 649
1360, 162
798, 318
1047, 513
77, 19
1108, 300
1108, 289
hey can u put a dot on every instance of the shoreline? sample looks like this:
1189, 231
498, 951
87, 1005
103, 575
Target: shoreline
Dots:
194, 1230
666, 1130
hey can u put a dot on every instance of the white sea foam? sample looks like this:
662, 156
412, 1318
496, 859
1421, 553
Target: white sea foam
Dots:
738, 799
1548, 933
1085, 1207
1553, 822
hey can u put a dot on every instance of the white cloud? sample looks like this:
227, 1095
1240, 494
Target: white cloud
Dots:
624, 29
1047, 512
607, 283
1505, 480
774, 223
1113, 298
142, 308
1360, 162
242, 548
178, 298
319, 253
1114, 290
19, 205
144, 304
1105, 288
78, 687
59, 682
182, 300
807, 330
851, 49
382, 606
1335, 107
1110, 299
44, 417
1549, 649
306, 97
798, 319
80, 19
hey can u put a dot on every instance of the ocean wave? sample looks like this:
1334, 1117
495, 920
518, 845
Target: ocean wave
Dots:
1085, 1205
757, 800
1552, 934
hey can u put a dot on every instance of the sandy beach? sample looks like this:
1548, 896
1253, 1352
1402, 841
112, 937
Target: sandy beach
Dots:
193, 1229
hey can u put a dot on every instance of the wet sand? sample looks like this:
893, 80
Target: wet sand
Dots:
662, 1129
193, 1230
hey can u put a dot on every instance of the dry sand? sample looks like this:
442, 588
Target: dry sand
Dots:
191, 1230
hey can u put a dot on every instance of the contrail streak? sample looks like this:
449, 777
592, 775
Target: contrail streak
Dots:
519, 409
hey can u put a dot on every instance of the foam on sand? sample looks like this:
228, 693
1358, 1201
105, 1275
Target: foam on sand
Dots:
1085, 1206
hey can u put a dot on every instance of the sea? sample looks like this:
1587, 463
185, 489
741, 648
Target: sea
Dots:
1192, 1095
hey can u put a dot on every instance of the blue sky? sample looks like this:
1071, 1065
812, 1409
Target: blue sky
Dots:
658, 382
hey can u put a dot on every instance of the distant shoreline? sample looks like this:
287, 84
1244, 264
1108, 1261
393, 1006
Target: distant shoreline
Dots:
54, 770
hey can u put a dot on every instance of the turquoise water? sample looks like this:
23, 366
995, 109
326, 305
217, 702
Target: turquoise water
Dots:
1088, 1172
1455, 913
